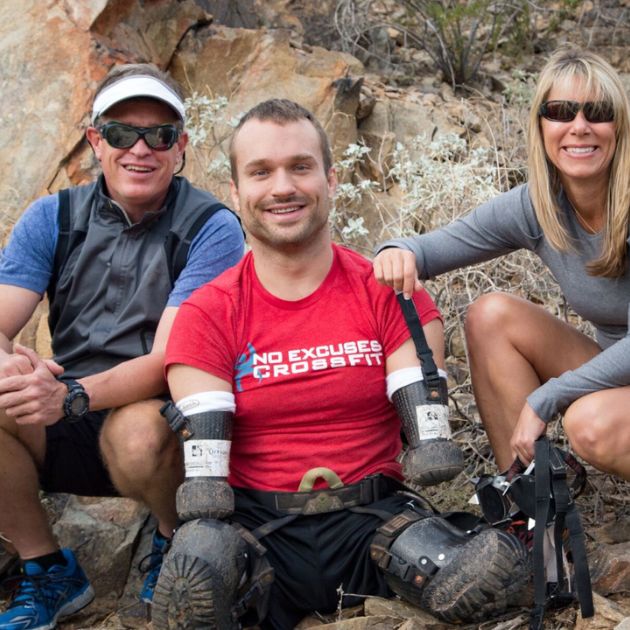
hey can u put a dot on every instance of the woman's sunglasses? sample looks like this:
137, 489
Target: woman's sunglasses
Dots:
159, 138
566, 111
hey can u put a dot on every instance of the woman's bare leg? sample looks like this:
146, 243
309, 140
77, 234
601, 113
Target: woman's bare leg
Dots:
513, 347
598, 428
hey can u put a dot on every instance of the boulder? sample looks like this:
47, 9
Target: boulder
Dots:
248, 66
610, 568
103, 534
608, 614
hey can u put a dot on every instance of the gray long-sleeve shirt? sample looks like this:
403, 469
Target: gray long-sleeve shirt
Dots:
507, 223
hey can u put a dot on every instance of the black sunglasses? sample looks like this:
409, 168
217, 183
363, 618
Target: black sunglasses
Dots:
159, 138
566, 111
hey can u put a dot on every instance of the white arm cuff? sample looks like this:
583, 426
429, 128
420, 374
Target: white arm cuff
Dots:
401, 378
207, 401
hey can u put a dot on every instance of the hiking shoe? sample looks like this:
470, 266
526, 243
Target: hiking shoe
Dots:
463, 577
152, 564
483, 580
44, 597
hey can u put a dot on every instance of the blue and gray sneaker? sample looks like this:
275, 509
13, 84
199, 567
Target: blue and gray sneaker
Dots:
151, 564
42, 598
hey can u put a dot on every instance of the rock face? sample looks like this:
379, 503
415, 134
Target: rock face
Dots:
53, 56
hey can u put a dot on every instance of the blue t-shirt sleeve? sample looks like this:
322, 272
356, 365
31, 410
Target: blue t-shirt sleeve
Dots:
27, 260
218, 246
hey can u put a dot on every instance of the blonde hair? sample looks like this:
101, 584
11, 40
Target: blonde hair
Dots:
601, 80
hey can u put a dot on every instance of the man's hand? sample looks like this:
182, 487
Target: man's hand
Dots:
31, 393
13, 364
528, 429
396, 268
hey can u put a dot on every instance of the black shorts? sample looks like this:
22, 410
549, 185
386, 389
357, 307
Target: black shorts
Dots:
317, 558
73, 462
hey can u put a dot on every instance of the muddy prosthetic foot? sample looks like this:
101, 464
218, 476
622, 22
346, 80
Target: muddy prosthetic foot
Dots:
454, 575
199, 579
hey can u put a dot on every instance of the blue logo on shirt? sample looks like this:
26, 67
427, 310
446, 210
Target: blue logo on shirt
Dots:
245, 366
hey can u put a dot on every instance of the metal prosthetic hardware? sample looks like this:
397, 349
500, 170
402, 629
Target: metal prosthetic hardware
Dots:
432, 456
456, 575
206, 440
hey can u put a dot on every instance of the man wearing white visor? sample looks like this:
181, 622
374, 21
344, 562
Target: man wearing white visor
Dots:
115, 259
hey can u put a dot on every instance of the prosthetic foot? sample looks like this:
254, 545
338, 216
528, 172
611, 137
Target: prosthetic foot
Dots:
198, 584
455, 575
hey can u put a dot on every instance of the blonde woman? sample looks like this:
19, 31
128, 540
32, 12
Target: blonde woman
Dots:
528, 366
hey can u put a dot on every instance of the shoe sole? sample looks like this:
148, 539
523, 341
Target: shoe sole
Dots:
481, 581
185, 596
69, 608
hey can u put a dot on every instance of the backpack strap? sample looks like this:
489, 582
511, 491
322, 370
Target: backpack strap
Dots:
67, 239
543, 499
551, 485
567, 516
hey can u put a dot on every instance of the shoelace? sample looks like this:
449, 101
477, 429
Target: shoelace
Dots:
24, 589
153, 559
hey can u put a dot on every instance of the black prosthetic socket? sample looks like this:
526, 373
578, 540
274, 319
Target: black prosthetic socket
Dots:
432, 456
206, 439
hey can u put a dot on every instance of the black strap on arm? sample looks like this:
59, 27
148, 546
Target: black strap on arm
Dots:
423, 351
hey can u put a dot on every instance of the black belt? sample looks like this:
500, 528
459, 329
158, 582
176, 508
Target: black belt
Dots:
366, 491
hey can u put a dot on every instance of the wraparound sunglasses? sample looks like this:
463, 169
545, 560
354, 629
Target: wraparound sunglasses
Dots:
566, 111
120, 136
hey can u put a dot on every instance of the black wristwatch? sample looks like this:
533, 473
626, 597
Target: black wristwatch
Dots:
77, 402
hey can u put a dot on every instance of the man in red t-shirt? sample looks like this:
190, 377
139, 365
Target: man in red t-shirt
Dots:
283, 369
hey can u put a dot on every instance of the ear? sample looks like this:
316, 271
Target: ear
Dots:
332, 181
182, 142
96, 141
236, 205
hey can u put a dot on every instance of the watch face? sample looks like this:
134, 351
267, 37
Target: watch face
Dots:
77, 402
78, 406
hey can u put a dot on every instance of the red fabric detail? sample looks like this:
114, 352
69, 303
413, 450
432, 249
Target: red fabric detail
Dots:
308, 376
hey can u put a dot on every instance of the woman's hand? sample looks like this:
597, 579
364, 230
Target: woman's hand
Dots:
396, 268
528, 429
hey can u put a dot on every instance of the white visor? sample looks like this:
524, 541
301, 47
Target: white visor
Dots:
137, 86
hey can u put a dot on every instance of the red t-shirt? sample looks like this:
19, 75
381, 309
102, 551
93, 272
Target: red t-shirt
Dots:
308, 376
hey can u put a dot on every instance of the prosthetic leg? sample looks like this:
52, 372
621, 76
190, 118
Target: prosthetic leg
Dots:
199, 581
456, 575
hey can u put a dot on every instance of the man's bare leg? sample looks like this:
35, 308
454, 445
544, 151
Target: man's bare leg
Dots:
144, 460
23, 520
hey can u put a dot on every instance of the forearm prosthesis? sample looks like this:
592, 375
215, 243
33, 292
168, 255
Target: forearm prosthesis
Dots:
206, 436
432, 456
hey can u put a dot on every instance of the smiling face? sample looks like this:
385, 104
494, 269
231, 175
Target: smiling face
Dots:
138, 178
283, 193
581, 151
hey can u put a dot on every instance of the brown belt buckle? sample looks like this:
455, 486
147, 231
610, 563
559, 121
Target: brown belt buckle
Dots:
322, 500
